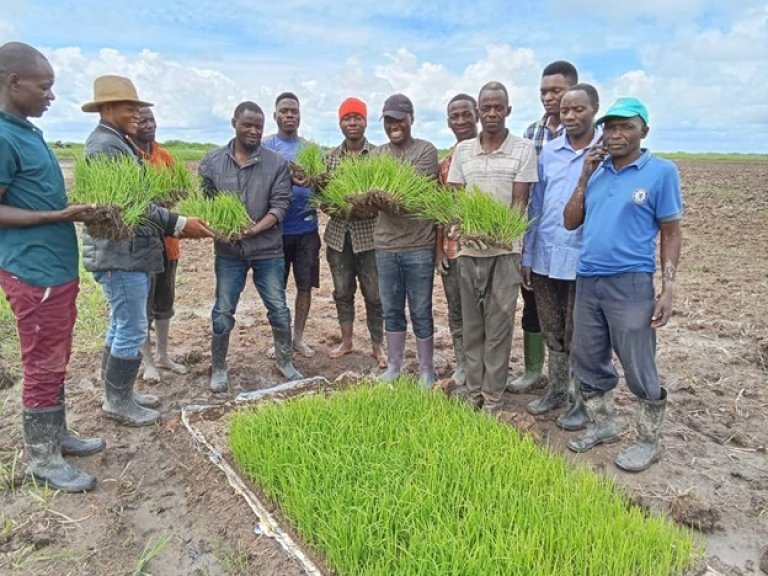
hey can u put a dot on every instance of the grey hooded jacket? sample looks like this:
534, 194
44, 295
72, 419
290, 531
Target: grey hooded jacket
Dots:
143, 252
263, 184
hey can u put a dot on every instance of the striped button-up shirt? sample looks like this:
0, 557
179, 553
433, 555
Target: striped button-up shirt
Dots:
540, 133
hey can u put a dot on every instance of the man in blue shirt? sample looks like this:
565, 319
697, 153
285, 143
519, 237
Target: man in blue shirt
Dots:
39, 266
551, 252
624, 198
301, 239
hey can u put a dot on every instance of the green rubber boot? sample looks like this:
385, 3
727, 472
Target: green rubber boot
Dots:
533, 352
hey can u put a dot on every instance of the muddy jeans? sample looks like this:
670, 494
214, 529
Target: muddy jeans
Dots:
347, 269
45, 318
489, 288
554, 302
530, 318
453, 297
613, 314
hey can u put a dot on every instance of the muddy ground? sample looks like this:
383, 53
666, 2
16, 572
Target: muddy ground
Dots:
154, 484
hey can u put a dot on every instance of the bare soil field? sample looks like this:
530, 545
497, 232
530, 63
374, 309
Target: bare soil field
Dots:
156, 488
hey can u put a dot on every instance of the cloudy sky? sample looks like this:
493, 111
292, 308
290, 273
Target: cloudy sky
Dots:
701, 66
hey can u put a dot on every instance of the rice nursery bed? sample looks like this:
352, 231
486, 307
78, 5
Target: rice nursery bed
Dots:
382, 480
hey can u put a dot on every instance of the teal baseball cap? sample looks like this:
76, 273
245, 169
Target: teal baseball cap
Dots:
625, 108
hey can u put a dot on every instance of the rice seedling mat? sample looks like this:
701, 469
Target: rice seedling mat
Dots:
356, 509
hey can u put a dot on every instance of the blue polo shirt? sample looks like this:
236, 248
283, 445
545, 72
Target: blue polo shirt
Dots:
44, 255
300, 218
622, 214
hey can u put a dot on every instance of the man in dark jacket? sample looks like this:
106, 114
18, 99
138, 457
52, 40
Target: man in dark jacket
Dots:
261, 179
123, 267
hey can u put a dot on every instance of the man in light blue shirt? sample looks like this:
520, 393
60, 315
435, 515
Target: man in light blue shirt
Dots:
625, 197
301, 239
551, 253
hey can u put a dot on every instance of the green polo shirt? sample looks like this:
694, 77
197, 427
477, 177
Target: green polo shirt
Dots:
44, 255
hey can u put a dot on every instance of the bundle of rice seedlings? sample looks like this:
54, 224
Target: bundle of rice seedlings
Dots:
118, 188
482, 217
309, 165
169, 184
438, 205
224, 213
365, 184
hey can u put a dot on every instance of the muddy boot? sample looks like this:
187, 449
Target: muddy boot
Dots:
42, 441
425, 352
602, 428
72, 445
533, 352
164, 362
650, 416
219, 376
460, 372
557, 391
284, 353
395, 355
119, 404
575, 418
146, 400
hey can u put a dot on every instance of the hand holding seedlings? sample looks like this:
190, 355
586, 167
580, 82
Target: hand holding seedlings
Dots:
196, 228
78, 213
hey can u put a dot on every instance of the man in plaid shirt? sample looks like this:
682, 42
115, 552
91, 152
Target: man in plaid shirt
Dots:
349, 245
556, 79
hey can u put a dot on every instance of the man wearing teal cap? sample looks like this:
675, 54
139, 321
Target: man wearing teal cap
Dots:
625, 196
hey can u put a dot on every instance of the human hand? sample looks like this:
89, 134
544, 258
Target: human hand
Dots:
78, 213
474, 244
453, 233
442, 263
527, 273
196, 228
595, 155
663, 311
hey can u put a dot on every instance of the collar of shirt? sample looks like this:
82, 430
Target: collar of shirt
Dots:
254, 158
122, 135
477, 146
20, 122
639, 162
367, 147
562, 141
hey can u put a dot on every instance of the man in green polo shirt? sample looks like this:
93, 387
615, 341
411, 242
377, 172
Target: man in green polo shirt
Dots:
39, 266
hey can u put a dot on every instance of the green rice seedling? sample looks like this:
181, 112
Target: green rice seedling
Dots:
384, 480
166, 185
310, 159
438, 205
482, 217
224, 213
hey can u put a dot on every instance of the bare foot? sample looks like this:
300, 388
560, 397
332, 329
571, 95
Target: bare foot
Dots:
303, 349
341, 350
150, 373
377, 353
271, 353
168, 364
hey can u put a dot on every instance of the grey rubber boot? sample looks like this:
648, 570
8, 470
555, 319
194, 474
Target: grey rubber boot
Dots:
557, 391
42, 441
284, 354
72, 445
460, 372
602, 428
425, 352
395, 355
146, 400
219, 375
647, 450
118, 403
575, 418
533, 356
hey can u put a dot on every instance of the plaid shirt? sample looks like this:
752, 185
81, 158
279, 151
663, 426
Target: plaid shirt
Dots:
360, 231
541, 134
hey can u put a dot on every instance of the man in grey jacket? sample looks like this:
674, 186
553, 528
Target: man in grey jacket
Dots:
261, 179
123, 267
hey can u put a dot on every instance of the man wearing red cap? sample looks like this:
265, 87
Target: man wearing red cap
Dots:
349, 243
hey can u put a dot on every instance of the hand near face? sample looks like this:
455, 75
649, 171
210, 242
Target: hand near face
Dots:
595, 155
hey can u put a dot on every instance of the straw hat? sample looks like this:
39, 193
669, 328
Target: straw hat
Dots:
108, 89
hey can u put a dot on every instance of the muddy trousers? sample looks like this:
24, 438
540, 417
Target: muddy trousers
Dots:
452, 292
555, 300
489, 288
613, 314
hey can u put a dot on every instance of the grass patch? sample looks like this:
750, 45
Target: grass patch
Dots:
151, 549
224, 213
398, 481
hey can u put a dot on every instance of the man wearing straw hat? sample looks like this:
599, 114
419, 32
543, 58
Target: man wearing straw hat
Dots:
123, 267
39, 267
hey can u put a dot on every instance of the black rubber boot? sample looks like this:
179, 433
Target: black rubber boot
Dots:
602, 428
72, 445
219, 376
118, 403
647, 450
42, 440
557, 391
284, 353
146, 400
